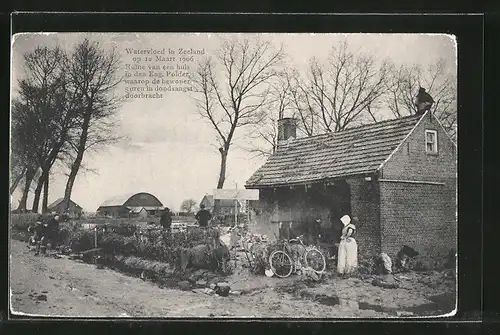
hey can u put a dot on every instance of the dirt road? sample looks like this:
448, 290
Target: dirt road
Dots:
61, 287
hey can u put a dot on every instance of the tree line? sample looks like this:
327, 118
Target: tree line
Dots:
248, 85
64, 107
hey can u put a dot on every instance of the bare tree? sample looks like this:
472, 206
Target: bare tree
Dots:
303, 106
188, 205
19, 159
405, 81
23, 150
38, 113
233, 90
343, 88
263, 136
92, 78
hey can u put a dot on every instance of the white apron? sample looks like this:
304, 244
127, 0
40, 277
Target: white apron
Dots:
348, 253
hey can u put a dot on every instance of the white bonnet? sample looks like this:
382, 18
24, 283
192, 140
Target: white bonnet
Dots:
346, 219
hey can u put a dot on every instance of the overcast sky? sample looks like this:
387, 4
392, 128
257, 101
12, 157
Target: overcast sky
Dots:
168, 150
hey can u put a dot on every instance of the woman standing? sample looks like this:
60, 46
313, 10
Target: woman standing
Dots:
347, 260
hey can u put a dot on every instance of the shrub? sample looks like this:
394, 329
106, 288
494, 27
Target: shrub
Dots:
79, 240
23, 221
125, 229
116, 243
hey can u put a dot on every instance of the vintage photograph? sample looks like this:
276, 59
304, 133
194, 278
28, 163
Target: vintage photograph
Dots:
228, 175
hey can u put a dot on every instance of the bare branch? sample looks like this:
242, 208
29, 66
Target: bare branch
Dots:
237, 95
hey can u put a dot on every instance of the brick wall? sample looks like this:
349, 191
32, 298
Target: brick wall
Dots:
421, 216
411, 162
365, 205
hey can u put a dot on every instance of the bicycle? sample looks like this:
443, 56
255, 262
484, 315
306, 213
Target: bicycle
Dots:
283, 262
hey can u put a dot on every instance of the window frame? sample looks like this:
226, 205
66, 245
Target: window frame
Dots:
435, 143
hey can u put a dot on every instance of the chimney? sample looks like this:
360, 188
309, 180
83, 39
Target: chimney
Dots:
287, 130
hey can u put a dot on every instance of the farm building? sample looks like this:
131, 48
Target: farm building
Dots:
131, 205
225, 207
58, 207
398, 177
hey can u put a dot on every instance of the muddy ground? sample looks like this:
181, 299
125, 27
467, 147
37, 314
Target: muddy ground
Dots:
61, 287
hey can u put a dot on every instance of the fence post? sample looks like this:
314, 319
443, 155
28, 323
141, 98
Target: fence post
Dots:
235, 212
95, 237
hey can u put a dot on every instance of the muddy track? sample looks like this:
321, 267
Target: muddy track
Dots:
61, 287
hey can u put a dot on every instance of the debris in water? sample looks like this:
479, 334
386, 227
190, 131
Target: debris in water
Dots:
386, 282
42, 297
222, 289
201, 283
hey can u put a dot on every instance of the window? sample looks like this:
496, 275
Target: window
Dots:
431, 143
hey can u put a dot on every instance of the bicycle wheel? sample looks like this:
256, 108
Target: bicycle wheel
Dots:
281, 264
315, 260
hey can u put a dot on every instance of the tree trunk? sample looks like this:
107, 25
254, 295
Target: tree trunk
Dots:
45, 201
30, 174
223, 164
222, 177
17, 180
38, 192
47, 165
76, 164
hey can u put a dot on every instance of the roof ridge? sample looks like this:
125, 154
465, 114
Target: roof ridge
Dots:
329, 134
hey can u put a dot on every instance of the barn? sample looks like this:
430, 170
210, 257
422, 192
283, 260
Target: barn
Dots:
130, 205
58, 207
397, 177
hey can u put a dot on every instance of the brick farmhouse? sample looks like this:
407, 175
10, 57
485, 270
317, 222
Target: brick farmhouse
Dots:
397, 177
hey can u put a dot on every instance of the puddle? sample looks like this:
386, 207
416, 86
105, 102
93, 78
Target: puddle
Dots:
328, 301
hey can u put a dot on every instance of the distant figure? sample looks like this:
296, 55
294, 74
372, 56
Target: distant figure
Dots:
203, 216
166, 219
37, 230
313, 231
424, 101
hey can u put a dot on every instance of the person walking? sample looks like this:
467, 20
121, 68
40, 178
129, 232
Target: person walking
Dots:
203, 216
166, 219
347, 259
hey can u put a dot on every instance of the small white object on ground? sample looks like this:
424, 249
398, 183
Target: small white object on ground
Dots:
387, 262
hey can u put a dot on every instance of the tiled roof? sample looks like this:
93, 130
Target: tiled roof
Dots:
58, 201
349, 152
